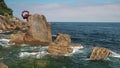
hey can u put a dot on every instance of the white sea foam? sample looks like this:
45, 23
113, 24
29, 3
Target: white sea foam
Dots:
77, 48
114, 54
24, 45
53, 35
42, 51
4, 42
1, 31
86, 59
33, 54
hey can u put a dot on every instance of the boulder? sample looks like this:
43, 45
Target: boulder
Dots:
2, 65
63, 39
38, 32
99, 53
61, 45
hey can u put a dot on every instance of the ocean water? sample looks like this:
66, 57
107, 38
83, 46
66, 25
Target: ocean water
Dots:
87, 34
91, 34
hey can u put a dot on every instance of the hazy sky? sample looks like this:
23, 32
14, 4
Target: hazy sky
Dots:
70, 10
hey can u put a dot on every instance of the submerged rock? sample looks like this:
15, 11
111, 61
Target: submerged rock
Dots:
2, 65
61, 45
39, 32
99, 53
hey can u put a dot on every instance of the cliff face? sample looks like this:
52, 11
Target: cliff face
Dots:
4, 10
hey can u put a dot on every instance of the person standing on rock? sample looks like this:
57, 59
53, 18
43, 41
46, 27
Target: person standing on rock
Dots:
25, 14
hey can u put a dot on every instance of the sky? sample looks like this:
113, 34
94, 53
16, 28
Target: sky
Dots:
69, 10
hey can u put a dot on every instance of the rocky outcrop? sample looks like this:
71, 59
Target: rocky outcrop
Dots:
99, 53
11, 24
18, 24
17, 38
4, 10
61, 45
2, 65
39, 32
4, 23
63, 39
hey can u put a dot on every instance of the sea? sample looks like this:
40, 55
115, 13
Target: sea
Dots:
88, 34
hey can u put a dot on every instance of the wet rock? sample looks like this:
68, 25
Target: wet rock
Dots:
61, 45
77, 45
2, 65
99, 53
17, 38
58, 50
39, 32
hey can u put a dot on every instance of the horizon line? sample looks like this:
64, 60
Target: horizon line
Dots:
84, 22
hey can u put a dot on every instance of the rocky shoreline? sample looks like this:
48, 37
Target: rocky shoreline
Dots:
38, 32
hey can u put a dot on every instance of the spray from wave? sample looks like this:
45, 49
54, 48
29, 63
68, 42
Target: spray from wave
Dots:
114, 54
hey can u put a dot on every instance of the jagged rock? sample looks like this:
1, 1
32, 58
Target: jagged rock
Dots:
16, 23
11, 24
99, 53
61, 45
39, 31
63, 39
2, 65
3, 23
57, 50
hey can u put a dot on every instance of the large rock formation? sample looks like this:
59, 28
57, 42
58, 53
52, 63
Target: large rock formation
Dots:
61, 45
39, 32
99, 53
11, 24
2, 65
4, 10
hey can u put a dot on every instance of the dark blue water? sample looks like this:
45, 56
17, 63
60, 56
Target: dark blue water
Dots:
91, 34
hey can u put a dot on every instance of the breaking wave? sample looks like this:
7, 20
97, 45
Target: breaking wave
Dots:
28, 51
114, 54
